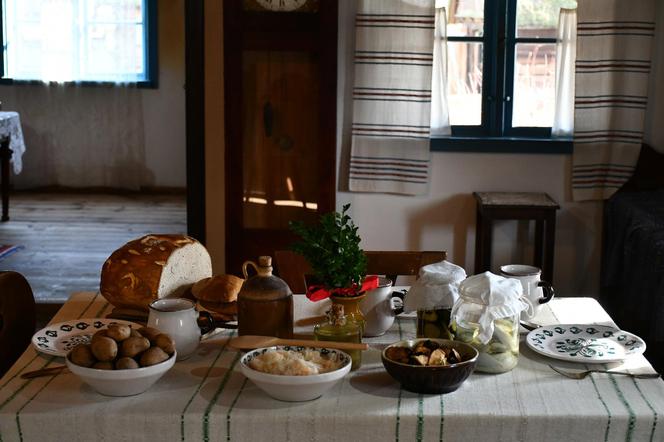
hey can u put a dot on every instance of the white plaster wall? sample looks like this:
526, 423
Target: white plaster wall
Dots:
445, 219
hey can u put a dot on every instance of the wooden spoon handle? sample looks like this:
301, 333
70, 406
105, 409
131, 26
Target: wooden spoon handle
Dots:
45, 372
329, 344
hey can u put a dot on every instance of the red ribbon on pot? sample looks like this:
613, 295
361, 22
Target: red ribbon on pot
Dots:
319, 292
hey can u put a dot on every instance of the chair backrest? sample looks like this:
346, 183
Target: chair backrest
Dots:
393, 264
291, 266
17, 318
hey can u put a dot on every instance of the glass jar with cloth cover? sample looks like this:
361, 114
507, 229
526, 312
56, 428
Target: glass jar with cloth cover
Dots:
486, 316
432, 295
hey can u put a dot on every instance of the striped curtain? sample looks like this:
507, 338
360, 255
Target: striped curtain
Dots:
614, 40
392, 97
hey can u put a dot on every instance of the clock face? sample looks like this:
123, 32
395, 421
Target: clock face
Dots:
282, 5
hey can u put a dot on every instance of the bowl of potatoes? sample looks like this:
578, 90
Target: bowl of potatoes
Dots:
121, 361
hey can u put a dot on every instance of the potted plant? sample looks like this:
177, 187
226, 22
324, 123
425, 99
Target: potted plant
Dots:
332, 248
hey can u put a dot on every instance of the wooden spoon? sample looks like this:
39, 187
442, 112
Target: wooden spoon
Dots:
250, 342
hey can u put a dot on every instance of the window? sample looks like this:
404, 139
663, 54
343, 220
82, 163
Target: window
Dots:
501, 66
79, 40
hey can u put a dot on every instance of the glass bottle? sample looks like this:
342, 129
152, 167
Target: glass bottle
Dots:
265, 302
340, 328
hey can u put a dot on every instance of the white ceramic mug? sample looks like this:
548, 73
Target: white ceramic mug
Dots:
379, 308
178, 318
537, 291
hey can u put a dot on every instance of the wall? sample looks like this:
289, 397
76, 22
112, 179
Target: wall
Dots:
654, 131
445, 219
108, 136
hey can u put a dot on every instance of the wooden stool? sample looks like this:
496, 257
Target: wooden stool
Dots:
539, 207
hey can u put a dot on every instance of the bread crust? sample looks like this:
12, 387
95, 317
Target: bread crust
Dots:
130, 277
218, 289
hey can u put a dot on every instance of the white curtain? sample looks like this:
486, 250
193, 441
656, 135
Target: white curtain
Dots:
440, 115
563, 120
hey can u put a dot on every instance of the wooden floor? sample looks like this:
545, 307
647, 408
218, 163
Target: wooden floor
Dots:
68, 236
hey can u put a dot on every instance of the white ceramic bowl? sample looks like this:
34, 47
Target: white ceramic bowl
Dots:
295, 388
121, 382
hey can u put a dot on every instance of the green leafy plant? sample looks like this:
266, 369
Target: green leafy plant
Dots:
332, 247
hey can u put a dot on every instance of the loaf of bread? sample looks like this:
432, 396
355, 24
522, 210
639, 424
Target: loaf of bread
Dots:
153, 267
218, 294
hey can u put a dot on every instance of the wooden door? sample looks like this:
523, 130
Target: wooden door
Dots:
280, 87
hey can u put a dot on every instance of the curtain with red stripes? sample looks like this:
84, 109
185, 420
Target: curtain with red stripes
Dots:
613, 57
392, 97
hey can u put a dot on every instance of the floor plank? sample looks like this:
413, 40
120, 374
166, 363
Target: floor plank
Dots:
68, 236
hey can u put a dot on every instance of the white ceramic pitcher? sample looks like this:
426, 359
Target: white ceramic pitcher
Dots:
179, 318
537, 291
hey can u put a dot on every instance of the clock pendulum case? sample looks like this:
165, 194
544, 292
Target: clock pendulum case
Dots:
280, 68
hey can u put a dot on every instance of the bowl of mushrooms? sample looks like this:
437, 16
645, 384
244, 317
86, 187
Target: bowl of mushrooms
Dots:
430, 365
121, 361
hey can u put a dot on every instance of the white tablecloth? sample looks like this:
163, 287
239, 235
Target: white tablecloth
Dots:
207, 398
10, 125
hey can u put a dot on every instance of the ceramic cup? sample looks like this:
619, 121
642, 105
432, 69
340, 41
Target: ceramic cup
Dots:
537, 291
179, 318
379, 308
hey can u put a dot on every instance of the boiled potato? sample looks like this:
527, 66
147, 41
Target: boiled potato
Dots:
166, 343
118, 332
82, 355
126, 363
135, 334
133, 346
153, 356
149, 332
100, 334
104, 349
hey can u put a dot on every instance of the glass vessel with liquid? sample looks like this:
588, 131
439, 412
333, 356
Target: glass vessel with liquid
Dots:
434, 323
265, 302
341, 328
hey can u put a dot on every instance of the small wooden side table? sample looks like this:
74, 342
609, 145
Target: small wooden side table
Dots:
539, 207
5, 157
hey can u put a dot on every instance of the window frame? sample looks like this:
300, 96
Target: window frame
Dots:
496, 133
150, 48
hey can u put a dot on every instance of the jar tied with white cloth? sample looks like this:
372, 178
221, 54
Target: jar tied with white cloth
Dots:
486, 316
432, 295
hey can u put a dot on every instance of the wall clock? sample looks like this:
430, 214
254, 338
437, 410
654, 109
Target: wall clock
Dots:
281, 5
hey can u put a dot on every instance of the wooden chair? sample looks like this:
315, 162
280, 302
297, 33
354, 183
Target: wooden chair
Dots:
291, 267
17, 318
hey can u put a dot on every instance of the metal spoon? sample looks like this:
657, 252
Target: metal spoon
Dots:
584, 374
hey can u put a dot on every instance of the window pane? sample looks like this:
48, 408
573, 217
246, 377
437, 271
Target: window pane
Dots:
539, 18
464, 17
464, 71
74, 40
534, 85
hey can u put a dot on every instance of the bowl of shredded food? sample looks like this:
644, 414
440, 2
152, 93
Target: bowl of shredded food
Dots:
295, 374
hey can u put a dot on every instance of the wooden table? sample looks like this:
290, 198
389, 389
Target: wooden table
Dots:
207, 398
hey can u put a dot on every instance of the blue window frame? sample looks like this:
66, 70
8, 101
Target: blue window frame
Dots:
83, 42
496, 133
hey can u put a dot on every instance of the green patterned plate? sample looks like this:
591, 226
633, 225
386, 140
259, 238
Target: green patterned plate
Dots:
585, 343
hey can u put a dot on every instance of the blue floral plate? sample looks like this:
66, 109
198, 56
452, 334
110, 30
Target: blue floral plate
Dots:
585, 343
58, 339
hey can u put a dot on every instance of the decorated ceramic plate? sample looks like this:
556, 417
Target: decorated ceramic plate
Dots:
58, 339
585, 343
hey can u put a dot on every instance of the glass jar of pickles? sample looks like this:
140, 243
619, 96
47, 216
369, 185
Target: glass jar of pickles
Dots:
434, 323
486, 316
